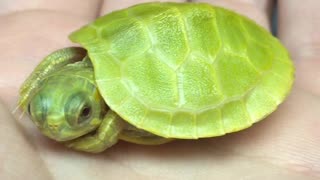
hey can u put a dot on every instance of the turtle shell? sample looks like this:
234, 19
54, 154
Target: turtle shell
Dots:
186, 70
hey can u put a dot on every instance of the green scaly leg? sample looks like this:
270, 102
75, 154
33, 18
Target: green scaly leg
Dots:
106, 135
110, 131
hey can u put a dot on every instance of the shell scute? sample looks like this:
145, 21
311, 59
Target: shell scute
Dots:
209, 123
236, 75
133, 109
235, 116
260, 56
125, 38
198, 85
160, 120
151, 80
202, 31
183, 125
169, 37
230, 31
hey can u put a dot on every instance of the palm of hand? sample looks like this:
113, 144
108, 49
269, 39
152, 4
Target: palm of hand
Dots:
285, 145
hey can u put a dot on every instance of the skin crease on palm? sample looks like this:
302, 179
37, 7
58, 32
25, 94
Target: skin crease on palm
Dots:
286, 145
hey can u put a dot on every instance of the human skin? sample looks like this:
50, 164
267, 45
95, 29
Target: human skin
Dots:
286, 145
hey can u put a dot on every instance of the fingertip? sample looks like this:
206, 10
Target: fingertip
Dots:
111, 5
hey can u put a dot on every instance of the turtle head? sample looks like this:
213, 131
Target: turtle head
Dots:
67, 105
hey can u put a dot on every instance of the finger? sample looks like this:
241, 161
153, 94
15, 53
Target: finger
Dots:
87, 8
19, 158
40, 27
299, 25
258, 10
111, 5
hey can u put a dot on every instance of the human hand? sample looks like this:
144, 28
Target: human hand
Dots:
284, 146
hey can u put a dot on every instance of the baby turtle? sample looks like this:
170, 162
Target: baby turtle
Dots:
155, 72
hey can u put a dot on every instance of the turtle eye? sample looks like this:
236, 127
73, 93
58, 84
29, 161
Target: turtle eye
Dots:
78, 109
29, 109
84, 114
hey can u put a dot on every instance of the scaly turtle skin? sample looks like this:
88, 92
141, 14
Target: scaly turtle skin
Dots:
155, 72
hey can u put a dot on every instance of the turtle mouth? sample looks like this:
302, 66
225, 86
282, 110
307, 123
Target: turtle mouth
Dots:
65, 134
59, 136
56, 136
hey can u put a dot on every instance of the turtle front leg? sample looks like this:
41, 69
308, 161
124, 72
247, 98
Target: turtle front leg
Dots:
106, 135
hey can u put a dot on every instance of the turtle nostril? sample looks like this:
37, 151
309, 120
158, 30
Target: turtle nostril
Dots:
54, 127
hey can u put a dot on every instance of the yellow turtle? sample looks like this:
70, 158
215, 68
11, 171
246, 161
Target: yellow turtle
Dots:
155, 72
